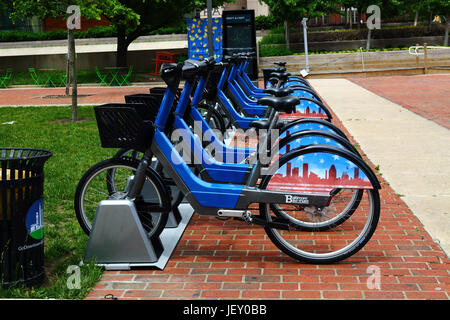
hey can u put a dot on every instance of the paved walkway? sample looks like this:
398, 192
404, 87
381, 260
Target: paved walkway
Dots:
426, 95
56, 96
412, 152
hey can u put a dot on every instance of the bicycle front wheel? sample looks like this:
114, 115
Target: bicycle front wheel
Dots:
111, 179
322, 234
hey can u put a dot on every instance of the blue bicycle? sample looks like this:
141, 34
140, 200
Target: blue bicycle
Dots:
327, 191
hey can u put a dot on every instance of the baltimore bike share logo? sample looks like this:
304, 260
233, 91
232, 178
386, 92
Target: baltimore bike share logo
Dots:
34, 220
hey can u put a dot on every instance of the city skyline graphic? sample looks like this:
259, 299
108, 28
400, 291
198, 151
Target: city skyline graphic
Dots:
318, 173
305, 109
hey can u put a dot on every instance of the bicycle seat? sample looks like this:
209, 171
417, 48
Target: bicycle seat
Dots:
273, 69
280, 92
284, 104
260, 124
280, 75
265, 123
280, 63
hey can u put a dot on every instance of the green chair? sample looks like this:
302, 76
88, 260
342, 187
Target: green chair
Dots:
102, 77
126, 77
4, 80
34, 76
62, 80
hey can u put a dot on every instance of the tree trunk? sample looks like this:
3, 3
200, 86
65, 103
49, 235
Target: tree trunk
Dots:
73, 71
287, 34
122, 48
68, 65
430, 20
416, 18
359, 18
351, 18
447, 26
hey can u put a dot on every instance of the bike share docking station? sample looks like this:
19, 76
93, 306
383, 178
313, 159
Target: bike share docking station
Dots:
118, 240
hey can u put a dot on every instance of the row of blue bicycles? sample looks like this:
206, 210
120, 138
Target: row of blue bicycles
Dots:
269, 157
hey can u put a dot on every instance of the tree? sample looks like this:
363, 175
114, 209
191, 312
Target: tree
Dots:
294, 10
56, 8
388, 8
360, 5
441, 8
134, 18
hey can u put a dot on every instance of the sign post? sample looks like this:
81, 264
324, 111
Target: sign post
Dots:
210, 32
305, 40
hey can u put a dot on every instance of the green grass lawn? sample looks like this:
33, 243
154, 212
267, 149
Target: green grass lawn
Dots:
75, 147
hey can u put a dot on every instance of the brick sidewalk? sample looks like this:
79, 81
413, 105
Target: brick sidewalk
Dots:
87, 95
426, 95
230, 260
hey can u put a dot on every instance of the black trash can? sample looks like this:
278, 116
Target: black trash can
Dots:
22, 216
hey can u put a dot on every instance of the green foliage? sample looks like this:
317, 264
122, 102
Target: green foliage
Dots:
295, 10
266, 22
273, 39
176, 29
272, 50
57, 8
96, 32
354, 34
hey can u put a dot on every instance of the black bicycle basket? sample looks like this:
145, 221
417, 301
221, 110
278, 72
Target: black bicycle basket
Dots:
123, 126
152, 101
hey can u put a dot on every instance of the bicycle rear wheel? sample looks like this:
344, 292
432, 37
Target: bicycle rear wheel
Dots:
111, 179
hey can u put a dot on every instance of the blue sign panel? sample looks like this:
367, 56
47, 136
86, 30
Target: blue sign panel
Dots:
197, 30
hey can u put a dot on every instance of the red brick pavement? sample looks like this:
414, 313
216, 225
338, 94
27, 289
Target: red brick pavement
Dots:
231, 260
426, 95
87, 95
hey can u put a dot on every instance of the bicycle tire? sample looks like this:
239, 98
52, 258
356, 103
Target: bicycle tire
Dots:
85, 216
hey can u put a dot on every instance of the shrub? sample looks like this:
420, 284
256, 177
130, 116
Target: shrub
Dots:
177, 29
266, 22
95, 32
272, 50
273, 39
383, 33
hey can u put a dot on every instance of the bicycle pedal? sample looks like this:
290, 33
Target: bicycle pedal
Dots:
248, 217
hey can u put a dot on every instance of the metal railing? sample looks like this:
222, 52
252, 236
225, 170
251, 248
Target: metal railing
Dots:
425, 52
425, 48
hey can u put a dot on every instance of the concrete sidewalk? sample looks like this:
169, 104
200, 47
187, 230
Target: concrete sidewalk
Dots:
412, 152
93, 48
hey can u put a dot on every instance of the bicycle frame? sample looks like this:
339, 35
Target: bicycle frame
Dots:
228, 167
